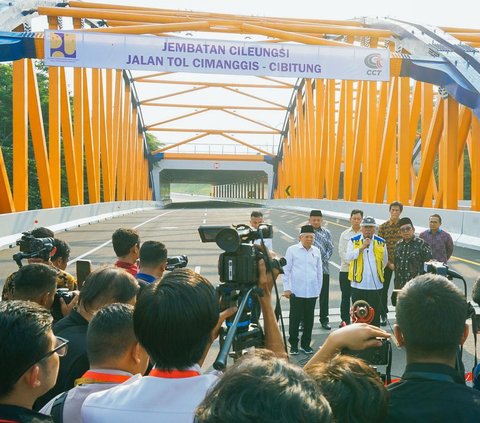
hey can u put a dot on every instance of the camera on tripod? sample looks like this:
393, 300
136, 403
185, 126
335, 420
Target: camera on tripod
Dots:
239, 263
238, 271
31, 247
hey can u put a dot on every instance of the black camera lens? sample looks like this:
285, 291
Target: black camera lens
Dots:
228, 240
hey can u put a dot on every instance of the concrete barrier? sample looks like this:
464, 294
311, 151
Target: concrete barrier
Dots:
463, 226
13, 224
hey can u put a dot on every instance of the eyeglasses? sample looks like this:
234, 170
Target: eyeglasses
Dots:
61, 348
405, 229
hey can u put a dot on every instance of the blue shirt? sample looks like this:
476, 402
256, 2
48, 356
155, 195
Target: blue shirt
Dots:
146, 278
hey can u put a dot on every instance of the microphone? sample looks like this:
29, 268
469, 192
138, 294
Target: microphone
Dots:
476, 292
368, 246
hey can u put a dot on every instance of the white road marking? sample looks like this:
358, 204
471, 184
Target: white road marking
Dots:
109, 241
284, 233
334, 265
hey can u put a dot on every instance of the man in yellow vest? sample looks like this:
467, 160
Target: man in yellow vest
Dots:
367, 254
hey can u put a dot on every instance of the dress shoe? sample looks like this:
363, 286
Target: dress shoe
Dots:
326, 326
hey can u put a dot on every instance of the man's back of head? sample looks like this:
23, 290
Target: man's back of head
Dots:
123, 239
431, 313
42, 232
173, 319
263, 388
153, 258
36, 282
62, 254
111, 341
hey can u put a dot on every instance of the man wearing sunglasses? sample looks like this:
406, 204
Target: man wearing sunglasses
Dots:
411, 253
29, 357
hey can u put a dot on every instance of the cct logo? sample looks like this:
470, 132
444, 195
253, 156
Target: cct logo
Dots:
374, 62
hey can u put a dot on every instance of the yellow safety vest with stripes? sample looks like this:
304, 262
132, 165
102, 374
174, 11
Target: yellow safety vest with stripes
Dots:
355, 271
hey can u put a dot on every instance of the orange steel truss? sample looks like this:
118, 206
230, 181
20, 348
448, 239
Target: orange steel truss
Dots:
360, 145
376, 142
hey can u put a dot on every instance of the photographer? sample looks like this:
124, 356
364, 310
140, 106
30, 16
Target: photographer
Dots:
43, 255
176, 321
153, 262
431, 314
262, 388
353, 389
36, 282
256, 219
103, 286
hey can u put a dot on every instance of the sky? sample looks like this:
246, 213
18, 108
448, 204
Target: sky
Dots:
432, 12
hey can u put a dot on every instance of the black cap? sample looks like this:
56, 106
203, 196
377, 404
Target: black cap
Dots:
405, 221
316, 213
307, 229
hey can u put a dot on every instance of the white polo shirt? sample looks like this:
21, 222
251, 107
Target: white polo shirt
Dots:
149, 399
303, 271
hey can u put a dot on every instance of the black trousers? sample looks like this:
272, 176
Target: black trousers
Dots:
387, 273
345, 303
301, 309
323, 298
372, 297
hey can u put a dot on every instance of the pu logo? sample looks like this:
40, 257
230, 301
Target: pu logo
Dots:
63, 45
374, 62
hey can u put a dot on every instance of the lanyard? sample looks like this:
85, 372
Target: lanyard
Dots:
98, 377
174, 374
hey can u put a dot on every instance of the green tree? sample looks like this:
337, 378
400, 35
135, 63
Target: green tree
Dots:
153, 143
6, 131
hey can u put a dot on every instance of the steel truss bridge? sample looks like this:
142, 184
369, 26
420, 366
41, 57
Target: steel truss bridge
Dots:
414, 138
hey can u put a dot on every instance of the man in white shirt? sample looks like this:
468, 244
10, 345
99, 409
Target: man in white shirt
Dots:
256, 219
356, 217
367, 254
114, 355
302, 283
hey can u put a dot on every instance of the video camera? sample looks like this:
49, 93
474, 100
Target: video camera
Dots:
239, 263
31, 247
177, 262
362, 312
238, 272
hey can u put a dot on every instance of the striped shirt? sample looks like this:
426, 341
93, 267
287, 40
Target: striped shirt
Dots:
323, 241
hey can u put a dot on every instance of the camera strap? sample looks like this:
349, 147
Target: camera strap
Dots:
57, 408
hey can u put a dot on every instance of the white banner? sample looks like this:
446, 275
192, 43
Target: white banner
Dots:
174, 54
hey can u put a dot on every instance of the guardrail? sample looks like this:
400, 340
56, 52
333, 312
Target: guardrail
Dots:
13, 224
463, 226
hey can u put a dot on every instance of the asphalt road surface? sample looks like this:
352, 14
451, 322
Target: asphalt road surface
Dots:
176, 226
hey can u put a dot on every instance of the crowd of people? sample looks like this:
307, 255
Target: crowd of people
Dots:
132, 342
